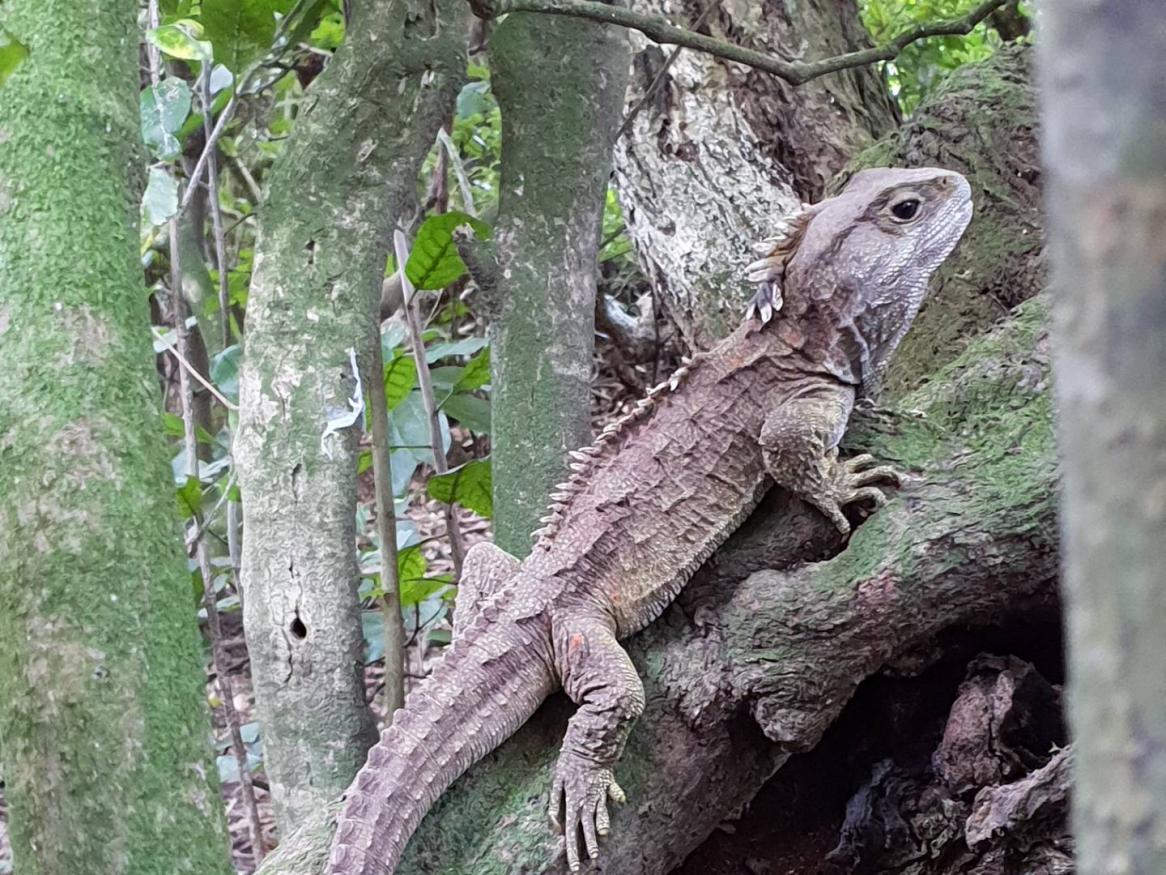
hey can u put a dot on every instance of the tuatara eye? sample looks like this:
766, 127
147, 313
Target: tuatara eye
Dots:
906, 210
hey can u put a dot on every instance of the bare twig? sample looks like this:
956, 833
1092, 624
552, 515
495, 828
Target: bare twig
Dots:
187, 367
459, 170
425, 384
382, 473
795, 73
659, 77
180, 351
229, 110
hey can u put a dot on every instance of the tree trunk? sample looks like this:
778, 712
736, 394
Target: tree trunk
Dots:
349, 173
720, 152
1103, 69
974, 544
557, 131
102, 710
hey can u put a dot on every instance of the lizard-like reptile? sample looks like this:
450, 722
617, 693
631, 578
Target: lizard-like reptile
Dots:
650, 500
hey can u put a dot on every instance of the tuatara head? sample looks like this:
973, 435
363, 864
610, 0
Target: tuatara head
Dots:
877, 242
851, 272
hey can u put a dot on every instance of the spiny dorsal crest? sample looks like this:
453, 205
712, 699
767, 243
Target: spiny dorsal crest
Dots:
584, 461
770, 270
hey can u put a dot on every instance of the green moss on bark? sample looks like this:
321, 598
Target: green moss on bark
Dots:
102, 713
560, 83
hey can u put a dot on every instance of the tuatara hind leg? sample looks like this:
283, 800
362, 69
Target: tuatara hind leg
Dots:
485, 569
800, 445
600, 678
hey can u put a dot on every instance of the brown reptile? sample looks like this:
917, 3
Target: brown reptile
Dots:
650, 500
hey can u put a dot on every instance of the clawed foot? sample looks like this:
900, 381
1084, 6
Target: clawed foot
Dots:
765, 303
854, 480
581, 790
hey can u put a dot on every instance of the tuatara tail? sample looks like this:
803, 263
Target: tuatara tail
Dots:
487, 685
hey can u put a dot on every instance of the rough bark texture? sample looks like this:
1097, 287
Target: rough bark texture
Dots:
984, 512
1106, 155
349, 173
102, 714
720, 152
560, 84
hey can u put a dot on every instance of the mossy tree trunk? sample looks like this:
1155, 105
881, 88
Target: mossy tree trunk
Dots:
560, 83
347, 177
103, 718
1105, 149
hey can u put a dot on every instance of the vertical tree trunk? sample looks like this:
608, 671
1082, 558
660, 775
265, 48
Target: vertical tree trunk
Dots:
720, 152
349, 173
1105, 149
102, 711
560, 83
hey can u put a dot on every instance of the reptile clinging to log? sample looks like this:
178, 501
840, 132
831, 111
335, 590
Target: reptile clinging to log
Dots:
650, 500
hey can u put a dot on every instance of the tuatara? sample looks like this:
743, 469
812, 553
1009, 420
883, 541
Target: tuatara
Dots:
650, 500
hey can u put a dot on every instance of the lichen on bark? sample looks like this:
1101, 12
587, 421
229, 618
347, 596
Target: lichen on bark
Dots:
347, 176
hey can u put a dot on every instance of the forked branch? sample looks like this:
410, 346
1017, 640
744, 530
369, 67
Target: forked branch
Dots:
795, 73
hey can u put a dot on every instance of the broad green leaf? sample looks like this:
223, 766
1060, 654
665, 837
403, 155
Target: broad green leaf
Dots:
470, 410
413, 592
473, 99
476, 373
466, 346
468, 485
434, 262
160, 201
400, 378
163, 109
242, 31
180, 40
189, 497
225, 371
12, 54
445, 378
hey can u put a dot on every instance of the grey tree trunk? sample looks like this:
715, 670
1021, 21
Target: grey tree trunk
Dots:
348, 174
102, 708
720, 152
560, 83
1103, 71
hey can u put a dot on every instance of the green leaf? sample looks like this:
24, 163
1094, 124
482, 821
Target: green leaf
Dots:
474, 99
163, 108
225, 371
414, 592
434, 262
180, 40
470, 410
242, 31
12, 54
160, 201
189, 497
400, 378
476, 373
466, 346
372, 628
468, 485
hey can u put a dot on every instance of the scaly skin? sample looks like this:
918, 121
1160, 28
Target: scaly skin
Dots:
651, 500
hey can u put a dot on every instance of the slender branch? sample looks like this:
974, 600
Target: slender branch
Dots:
229, 110
658, 78
662, 32
459, 170
382, 472
425, 384
187, 367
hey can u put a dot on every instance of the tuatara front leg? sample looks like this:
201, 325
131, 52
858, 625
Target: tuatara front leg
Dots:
600, 678
800, 445
485, 569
